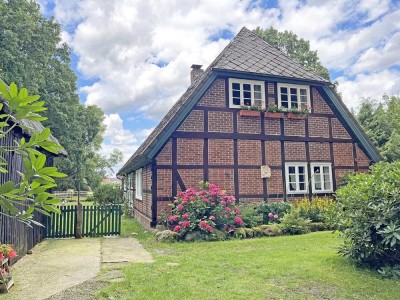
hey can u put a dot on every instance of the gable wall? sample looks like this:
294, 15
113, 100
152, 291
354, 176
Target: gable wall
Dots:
216, 144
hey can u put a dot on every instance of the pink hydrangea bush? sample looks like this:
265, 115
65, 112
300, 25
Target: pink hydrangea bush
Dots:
206, 210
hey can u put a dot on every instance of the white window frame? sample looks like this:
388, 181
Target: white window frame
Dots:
252, 83
296, 165
298, 87
139, 184
321, 165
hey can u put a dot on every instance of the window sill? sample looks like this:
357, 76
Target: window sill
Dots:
296, 116
274, 115
249, 113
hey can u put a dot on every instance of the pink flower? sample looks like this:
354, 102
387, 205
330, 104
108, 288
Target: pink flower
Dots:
186, 216
228, 209
203, 224
238, 221
173, 218
237, 211
180, 207
12, 254
176, 201
223, 202
1, 255
271, 215
276, 217
230, 228
186, 224
177, 228
212, 186
209, 228
212, 218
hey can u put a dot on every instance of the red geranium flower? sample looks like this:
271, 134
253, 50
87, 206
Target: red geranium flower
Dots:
12, 254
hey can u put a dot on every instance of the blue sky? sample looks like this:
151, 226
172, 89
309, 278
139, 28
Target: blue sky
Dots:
133, 58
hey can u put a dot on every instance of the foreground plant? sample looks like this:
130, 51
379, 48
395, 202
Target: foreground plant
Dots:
369, 218
207, 211
20, 200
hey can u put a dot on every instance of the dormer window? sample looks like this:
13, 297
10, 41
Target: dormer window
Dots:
293, 96
246, 93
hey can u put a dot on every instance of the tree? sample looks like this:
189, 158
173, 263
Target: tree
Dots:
33, 56
298, 49
31, 191
381, 122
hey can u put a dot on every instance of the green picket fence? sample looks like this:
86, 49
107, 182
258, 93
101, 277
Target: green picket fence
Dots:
97, 220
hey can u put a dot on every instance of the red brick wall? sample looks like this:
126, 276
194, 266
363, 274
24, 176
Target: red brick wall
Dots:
272, 126
194, 122
164, 183
318, 127
319, 104
163, 208
338, 131
295, 151
190, 151
319, 151
340, 173
220, 152
249, 124
220, 121
294, 127
250, 181
362, 159
223, 178
275, 183
165, 156
142, 218
271, 88
343, 154
215, 95
250, 200
273, 153
249, 152
191, 177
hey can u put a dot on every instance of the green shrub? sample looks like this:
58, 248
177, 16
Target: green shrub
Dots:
369, 217
317, 226
314, 209
108, 194
250, 215
249, 232
274, 208
293, 223
257, 231
271, 230
239, 233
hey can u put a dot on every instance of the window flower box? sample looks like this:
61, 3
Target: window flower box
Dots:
249, 113
296, 116
273, 115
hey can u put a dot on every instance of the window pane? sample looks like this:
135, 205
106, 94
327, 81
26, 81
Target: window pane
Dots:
257, 88
247, 101
236, 101
317, 181
293, 91
301, 170
327, 186
292, 170
283, 90
236, 86
284, 98
326, 170
303, 92
317, 170
284, 104
236, 94
246, 94
292, 186
303, 99
302, 186
247, 87
293, 98
301, 178
257, 95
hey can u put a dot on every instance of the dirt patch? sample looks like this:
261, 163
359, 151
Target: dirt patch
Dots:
54, 266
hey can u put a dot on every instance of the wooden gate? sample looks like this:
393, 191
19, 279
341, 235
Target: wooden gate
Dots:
97, 220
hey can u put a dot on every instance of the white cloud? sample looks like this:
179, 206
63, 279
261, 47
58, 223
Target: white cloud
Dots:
369, 85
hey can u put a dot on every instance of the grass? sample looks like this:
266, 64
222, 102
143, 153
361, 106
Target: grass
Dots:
289, 267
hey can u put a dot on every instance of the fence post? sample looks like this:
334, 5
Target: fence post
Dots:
78, 228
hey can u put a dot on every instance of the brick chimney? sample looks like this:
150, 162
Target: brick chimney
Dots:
196, 72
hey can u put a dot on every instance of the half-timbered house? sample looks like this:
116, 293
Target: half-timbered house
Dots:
251, 154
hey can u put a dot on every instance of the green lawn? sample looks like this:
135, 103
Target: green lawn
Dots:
289, 267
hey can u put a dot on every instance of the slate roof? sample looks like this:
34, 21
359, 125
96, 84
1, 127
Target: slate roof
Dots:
246, 53
249, 53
